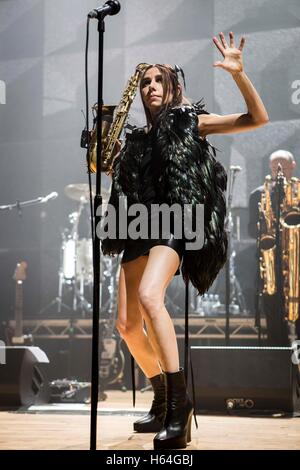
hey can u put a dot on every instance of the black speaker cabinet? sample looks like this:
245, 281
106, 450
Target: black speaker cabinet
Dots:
23, 379
245, 379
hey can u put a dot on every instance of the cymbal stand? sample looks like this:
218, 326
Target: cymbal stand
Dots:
230, 279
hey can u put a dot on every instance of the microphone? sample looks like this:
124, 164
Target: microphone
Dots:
235, 168
112, 7
50, 197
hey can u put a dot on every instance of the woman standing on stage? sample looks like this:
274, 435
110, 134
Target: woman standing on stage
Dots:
172, 162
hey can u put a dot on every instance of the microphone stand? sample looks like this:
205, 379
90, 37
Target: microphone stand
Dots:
31, 202
96, 258
111, 7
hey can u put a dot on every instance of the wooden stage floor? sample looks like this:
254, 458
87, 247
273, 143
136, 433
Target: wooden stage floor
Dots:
66, 427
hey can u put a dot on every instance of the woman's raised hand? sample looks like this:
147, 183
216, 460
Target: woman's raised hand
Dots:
233, 58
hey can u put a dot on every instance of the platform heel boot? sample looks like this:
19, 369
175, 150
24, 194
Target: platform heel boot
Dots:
176, 431
154, 420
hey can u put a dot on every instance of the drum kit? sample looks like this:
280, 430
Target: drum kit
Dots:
76, 257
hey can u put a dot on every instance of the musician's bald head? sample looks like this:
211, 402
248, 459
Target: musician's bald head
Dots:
285, 159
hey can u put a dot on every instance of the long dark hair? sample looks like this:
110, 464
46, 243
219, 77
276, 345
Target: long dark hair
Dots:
170, 84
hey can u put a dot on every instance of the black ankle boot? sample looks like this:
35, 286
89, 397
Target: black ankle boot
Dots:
154, 420
176, 432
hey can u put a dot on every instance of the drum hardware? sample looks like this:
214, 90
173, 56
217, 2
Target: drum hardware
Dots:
57, 302
71, 274
75, 274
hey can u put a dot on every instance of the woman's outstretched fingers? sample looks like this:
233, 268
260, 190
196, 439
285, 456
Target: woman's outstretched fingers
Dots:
242, 43
223, 40
219, 45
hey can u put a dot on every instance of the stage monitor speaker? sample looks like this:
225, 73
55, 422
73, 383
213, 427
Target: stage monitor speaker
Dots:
23, 379
245, 379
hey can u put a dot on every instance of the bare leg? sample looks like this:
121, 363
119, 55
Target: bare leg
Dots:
162, 264
130, 320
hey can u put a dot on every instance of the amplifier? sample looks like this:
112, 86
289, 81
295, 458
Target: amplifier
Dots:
246, 379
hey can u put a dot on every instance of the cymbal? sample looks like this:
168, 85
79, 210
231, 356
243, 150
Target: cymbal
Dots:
80, 192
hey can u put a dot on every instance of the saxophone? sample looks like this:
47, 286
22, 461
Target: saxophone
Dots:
267, 240
112, 128
290, 245
290, 223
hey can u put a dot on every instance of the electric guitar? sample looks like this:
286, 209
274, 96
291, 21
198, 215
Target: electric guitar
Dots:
20, 276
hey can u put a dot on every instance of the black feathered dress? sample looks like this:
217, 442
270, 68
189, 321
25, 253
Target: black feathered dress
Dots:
172, 164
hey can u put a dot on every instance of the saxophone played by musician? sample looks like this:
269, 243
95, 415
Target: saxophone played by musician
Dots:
113, 122
278, 246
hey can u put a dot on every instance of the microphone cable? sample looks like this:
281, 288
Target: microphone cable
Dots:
87, 107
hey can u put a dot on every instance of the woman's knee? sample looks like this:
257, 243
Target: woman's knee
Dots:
151, 299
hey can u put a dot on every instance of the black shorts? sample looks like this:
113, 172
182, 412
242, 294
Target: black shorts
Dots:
140, 247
